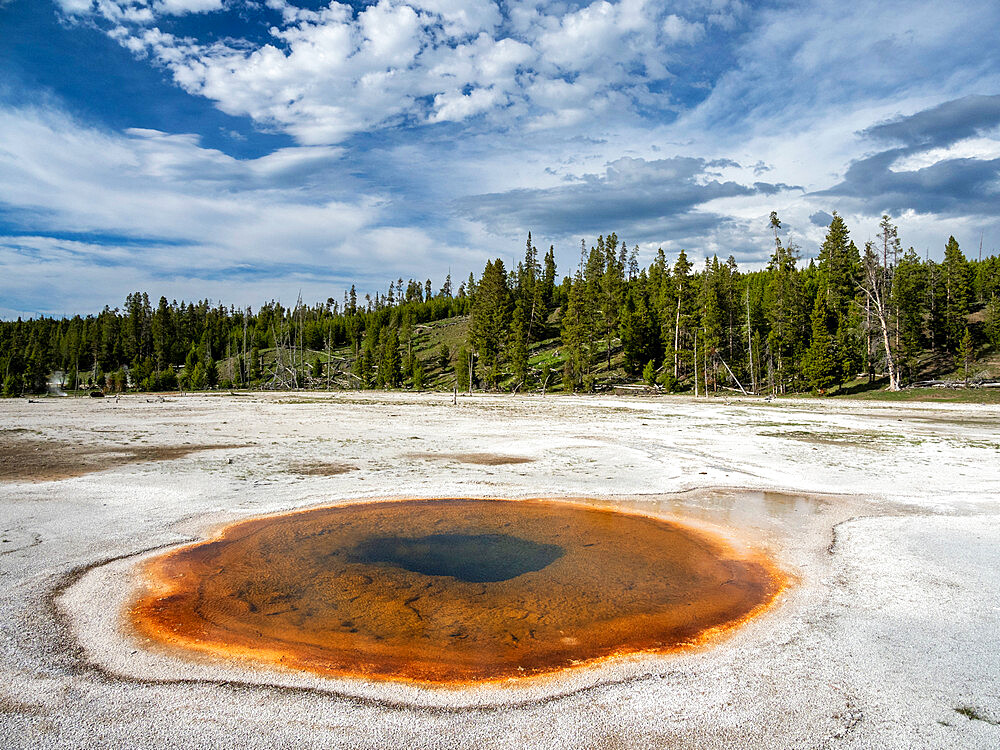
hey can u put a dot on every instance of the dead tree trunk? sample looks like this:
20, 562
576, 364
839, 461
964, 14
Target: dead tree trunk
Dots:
875, 289
753, 379
677, 328
694, 359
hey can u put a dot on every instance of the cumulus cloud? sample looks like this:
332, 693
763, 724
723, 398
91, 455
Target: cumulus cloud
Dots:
332, 72
458, 107
75, 7
680, 30
180, 7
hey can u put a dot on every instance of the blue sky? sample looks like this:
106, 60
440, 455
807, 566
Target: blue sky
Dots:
247, 150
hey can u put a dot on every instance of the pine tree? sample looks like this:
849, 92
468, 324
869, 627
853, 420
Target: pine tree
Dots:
530, 294
211, 373
965, 354
712, 313
519, 344
574, 332
592, 307
839, 266
612, 285
491, 314
909, 283
367, 363
549, 278
568, 377
196, 378
993, 323
418, 375
253, 366
389, 369
639, 332
681, 318
955, 298
820, 364
444, 357
783, 307
162, 333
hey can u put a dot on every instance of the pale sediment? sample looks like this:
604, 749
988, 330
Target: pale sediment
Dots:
885, 639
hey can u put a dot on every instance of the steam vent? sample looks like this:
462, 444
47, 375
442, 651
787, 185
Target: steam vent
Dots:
449, 591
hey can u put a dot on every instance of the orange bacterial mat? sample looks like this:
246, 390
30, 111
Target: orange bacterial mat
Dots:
451, 590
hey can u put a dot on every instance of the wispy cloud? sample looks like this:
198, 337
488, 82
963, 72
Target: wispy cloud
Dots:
161, 208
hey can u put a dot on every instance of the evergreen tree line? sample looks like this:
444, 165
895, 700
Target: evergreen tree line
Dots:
196, 346
876, 312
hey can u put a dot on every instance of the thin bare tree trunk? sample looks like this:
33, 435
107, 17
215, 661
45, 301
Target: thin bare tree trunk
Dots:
753, 378
735, 379
868, 336
677, 328
877, 303
889, 359
704, 354
694, 359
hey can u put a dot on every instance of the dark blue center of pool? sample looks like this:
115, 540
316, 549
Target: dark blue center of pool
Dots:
478, 558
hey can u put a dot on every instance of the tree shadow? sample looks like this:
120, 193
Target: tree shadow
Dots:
862, 386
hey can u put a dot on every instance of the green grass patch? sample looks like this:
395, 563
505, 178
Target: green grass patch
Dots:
937, 395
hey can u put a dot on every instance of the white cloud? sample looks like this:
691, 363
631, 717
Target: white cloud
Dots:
969, 148
148, 185
180, 7
680, 30
581, 38
391, 35
462, 17
335, 71
75, 7
458, 107
157, 211
549, 92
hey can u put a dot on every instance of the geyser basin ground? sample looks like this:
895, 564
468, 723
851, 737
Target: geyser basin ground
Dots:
450, 590
890, 627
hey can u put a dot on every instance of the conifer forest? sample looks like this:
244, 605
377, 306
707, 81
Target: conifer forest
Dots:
876, 314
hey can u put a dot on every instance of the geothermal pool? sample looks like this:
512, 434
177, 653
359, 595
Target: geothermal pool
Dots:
450, 590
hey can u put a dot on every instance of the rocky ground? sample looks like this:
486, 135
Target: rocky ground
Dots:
885, 516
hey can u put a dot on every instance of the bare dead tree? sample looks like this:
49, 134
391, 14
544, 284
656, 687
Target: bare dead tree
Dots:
753, 379
694, 359
677, 328
875, 287
735, 379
